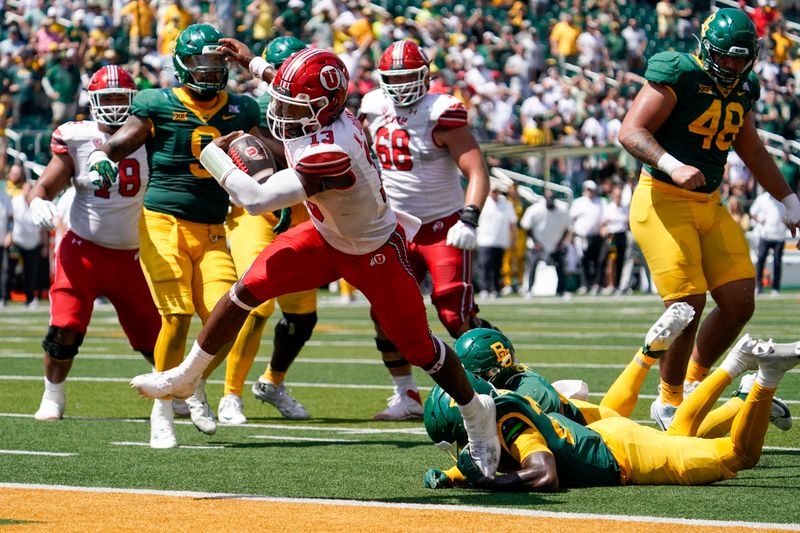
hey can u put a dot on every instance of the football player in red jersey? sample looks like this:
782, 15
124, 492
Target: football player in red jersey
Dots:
353, 234
101, 247
425, 145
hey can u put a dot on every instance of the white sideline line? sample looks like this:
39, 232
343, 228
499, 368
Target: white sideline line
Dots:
289, 427
500, 511
89, 379
31, 452
185, 446
299, 439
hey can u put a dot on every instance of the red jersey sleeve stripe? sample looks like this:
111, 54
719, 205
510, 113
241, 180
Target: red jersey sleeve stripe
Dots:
57, 143
324, 164
453, 118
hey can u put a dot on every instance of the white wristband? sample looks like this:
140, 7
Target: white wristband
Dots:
791, 202
96, 156
258, 65
668, 164
217, 162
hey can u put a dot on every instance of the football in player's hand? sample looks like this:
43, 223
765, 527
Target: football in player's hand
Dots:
251, 157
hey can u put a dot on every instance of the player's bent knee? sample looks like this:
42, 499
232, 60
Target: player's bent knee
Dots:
385, 345
62, 344
294, 329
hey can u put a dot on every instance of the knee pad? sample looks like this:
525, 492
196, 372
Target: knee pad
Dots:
294, 330
58, 350
385, 345
148, 356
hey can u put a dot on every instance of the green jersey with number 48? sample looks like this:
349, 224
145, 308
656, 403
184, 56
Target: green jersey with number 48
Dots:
706, 117
181, 127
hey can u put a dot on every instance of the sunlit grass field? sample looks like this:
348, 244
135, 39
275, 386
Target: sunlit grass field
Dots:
341, 452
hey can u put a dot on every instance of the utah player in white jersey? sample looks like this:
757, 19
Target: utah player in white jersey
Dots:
98, 255
353, 234
425, 145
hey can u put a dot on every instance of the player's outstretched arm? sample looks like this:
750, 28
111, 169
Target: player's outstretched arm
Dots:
238, 52
127, 139
752, 151
538, 474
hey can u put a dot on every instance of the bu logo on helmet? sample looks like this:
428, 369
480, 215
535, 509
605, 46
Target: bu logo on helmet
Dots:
330, 78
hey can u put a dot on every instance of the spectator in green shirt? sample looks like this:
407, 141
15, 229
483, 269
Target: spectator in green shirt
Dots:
61, 82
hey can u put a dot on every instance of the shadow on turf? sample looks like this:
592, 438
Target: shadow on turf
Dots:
313, 444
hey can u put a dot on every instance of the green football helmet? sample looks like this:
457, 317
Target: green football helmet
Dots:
728, 32
443, 421
279, 49
198, 64
485, 352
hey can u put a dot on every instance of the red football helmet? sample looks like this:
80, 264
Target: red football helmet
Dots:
309, 92
403, 72
111, 91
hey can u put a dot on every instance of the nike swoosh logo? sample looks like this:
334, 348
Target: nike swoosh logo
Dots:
227, 117
740, 93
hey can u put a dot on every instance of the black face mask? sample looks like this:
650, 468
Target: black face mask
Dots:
550, 204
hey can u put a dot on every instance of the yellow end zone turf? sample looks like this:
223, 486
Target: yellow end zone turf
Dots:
39, 509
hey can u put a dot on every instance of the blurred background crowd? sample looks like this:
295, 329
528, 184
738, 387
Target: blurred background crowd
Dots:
538, 74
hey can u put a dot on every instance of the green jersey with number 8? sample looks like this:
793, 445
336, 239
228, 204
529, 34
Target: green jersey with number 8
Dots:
181, 126
706, 118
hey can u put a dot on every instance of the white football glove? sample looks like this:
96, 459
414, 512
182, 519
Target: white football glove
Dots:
792, 216
43, 213
462, 236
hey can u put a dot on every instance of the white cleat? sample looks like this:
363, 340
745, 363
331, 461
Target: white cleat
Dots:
484, 444
668, 327
162, 426
50, 409
199, 410
777, 357
779, 415
278, 396
662, 413
231, 410
404, 405
180, 408
742, 357
157, 385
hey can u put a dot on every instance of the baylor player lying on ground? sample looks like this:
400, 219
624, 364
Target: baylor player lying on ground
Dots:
542, 452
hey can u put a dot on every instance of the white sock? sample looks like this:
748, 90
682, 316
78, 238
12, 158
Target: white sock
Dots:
197, 360
769, 379
404, 383
53, 391
162, 409
471, 412
734, 365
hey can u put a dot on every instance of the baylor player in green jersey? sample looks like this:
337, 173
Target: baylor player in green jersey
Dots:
489, 354
182, 236
681, 125
543, 452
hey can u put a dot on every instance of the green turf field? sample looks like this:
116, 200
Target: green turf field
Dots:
341, 452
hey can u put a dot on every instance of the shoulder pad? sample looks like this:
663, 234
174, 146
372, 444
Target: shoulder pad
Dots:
752, 86
372, 102
448, 112
667, 67
323, 161
71, 132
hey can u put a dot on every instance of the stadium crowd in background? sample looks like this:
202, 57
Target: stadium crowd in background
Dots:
538, 73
